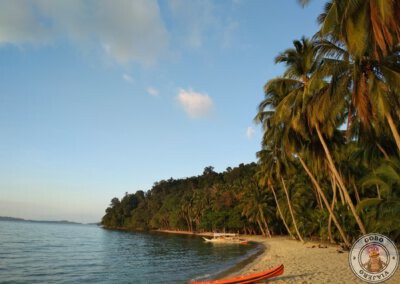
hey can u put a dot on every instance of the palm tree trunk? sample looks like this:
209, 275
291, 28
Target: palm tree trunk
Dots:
319, 201
265, 222
356, 191
260, 226
340, 181
267, 229
383, 151
393, 128
280, 212
340, 193
333, 182
314, 181
378, 191
291, 210
188, 223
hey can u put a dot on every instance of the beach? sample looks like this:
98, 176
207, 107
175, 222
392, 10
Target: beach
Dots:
303, 263
311, 262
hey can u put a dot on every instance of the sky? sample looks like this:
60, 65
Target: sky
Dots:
103, 97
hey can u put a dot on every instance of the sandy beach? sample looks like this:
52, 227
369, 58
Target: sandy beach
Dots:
304, 264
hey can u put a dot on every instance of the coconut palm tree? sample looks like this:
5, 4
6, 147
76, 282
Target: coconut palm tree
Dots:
277, 162
254, 203
365, 26
370, 86
266, 179
306, 102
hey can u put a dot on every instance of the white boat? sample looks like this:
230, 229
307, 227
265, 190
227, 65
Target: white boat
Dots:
225, 238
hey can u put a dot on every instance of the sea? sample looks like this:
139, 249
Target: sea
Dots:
73, 253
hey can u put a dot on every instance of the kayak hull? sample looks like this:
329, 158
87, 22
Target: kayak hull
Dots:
247, 279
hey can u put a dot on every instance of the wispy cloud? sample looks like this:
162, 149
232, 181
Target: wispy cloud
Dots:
130, 31
152, 91
127, 78
195, 104
197, 21
250, 132
201, 23
228, 34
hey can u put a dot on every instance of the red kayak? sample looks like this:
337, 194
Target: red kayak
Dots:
247, 279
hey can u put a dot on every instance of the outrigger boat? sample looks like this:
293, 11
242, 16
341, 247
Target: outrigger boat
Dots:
247, 279
225, 238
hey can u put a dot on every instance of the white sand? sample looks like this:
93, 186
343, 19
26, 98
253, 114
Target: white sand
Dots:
305, 265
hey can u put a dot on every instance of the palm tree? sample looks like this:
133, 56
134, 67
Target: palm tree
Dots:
266, 179
307, 101
253, 208
372, 86
365, 26
323, 119
277, 162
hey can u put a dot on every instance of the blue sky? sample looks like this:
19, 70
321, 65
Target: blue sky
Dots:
99, 98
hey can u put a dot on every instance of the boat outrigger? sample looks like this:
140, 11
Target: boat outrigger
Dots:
247, 279
225, 238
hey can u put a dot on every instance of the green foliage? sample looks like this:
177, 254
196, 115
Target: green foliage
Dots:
209, 202
346, 77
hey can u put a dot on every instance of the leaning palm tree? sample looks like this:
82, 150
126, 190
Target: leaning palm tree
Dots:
308, 102
275, 135
308, 150
324, 114
268, 162
277, 162
266, 179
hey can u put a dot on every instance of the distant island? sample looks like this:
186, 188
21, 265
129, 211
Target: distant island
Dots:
14, 219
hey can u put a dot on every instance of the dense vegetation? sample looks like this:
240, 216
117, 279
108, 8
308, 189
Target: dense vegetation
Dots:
231, 201
329, 164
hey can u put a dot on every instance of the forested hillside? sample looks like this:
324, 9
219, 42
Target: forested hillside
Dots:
230, 201
245, 200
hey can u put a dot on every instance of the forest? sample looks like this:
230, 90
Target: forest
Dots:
329, 163
231, 201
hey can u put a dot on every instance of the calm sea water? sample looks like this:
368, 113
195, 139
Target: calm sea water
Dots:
57, 253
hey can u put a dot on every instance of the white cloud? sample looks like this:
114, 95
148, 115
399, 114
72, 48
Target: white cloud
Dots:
18, 24
250, 132
152, 91
125, 30
199, 23
129, 31
195, 104
127, 78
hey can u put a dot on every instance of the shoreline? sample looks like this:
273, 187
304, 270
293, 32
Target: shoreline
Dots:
304, 263
311, 262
